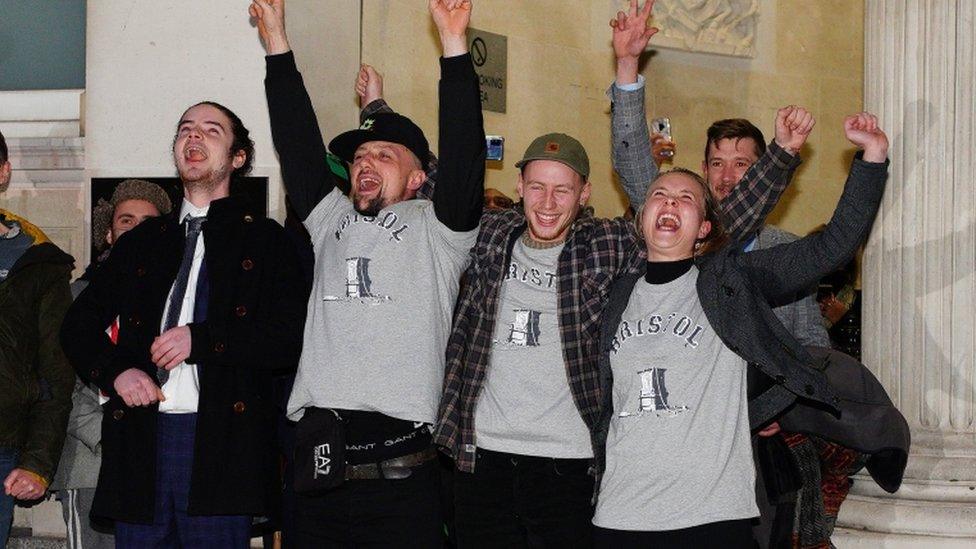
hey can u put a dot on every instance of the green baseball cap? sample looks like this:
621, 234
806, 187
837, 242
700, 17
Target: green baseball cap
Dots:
561, 148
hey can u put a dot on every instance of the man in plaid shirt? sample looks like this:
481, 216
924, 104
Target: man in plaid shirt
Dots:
522, 354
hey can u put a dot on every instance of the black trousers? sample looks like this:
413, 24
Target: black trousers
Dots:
523, 501
374, 513
727, 534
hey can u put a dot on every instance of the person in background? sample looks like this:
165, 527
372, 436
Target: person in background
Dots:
132, 202
37, 378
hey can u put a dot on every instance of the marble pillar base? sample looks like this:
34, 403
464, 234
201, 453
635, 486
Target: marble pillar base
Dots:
935, 506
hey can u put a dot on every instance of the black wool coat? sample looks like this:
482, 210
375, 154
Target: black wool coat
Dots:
256, 313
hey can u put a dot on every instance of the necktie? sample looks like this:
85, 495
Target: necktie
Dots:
193, 225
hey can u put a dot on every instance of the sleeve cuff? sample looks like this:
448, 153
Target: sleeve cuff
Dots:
864, 166
44, 482
458, 67
374, 106
632, 86
782, 158
200, 346
281, 64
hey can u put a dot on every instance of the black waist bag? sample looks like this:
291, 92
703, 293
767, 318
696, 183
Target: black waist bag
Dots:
320, 451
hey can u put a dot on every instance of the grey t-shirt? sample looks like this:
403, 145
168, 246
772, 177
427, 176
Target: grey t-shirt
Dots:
380, 310
525, 406
678, 449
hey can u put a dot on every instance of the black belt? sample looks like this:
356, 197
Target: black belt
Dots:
394, 468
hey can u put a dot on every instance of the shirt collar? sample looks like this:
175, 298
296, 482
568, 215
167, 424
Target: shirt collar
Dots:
189, 209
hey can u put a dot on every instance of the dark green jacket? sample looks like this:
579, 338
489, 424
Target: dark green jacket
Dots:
36, 379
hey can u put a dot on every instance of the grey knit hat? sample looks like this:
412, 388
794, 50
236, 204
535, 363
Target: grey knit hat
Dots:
130, 189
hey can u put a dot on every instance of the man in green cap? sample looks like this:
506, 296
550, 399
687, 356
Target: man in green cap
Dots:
522, 393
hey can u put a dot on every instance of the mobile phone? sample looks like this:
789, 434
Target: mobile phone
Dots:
662, 126
496, 147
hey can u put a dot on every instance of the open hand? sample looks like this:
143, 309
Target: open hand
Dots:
137, 389
862, 130
369, 85
793, 126
630, 31
270, 18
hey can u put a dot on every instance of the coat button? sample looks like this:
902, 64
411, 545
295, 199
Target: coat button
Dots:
135, 320
728, 290
219, 347
248, 218
240, 310
239, 407
118, 414
140, 271
781, 379
247, 264
94, 373
162, 228
808, 389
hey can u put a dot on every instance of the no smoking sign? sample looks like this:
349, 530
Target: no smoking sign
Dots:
489, 52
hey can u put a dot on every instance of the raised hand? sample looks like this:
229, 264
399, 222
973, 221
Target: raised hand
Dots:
862, 130
451, 18
630, 31
269, 15
662, 149
369, 85
137, 389
793, 126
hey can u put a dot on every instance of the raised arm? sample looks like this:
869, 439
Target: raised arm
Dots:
754, 198
787, 269
631, 139
294, 128
459, 194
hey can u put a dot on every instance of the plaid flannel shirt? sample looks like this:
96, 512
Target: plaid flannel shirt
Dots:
596, 252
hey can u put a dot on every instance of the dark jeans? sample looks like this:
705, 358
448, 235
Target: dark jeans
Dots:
8, 461
374, 513
523, 501
727, 534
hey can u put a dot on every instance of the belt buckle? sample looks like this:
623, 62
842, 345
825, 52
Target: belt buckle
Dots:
394, 472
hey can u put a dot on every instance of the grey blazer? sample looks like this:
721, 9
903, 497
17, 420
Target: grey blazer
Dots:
736, 288
801, 314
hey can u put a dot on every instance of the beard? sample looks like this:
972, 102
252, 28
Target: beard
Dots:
371, 208
205, 181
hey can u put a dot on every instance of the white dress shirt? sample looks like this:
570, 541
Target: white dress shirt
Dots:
182, 389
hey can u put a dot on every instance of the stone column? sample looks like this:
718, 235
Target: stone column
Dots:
919, 321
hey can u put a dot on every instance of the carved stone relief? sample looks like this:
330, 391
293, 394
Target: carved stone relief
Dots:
727, 27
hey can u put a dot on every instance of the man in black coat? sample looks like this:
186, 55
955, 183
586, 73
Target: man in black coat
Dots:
209, 303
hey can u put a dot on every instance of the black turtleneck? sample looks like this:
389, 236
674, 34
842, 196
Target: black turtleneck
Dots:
662, 272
